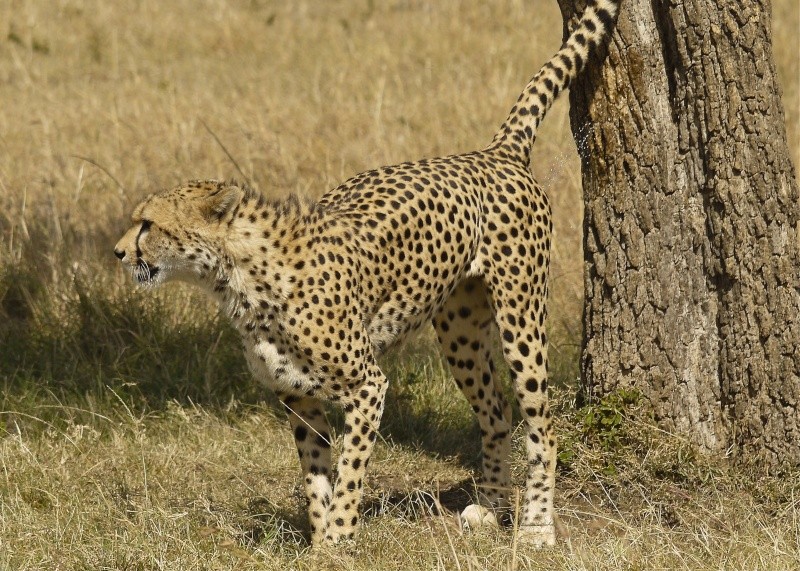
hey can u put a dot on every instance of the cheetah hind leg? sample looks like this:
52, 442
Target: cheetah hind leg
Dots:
521, 319
464, 326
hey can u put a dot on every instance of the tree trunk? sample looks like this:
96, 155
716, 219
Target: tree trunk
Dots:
692, 225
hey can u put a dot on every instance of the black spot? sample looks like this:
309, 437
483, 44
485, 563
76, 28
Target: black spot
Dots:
605, 18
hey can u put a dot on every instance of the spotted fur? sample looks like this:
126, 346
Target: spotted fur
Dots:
320, 290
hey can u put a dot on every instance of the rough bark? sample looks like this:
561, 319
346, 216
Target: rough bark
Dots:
692, 225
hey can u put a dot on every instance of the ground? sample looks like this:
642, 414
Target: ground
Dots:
132, 437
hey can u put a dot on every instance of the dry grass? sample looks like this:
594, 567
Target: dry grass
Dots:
189, 487
131, 436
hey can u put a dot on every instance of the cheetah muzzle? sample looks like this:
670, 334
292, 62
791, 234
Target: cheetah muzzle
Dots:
319, 290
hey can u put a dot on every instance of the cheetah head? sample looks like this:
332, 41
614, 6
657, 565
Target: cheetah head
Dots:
179, 234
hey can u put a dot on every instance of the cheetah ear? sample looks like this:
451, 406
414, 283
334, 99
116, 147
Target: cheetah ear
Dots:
221, 203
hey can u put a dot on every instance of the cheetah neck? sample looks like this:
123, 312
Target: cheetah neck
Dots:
254, 277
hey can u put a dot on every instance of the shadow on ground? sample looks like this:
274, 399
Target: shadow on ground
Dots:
289, 528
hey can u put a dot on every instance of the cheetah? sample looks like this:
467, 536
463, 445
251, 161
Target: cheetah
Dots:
319, 290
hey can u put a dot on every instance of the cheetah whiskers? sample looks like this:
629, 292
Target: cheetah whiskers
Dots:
141, 272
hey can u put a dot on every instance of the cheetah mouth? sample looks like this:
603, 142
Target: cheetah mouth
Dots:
144, 273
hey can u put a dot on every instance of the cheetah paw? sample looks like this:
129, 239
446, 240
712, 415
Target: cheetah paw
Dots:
475, 516
538, 536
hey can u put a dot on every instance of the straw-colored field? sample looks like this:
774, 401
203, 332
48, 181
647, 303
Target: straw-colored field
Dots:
131, 435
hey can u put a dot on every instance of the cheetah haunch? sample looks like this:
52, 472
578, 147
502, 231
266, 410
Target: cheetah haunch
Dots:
319, 291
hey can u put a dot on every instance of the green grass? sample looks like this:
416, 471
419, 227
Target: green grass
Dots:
131, 434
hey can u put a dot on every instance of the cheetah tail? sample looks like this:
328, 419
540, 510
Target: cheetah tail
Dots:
518, 132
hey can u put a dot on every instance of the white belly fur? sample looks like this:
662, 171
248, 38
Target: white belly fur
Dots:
279, 372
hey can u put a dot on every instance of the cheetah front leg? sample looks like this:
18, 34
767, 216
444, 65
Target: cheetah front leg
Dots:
312, 437
362, 416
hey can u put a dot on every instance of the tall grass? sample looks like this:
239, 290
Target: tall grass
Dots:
131, 434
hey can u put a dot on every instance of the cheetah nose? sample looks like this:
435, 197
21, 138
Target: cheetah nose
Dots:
119, 253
